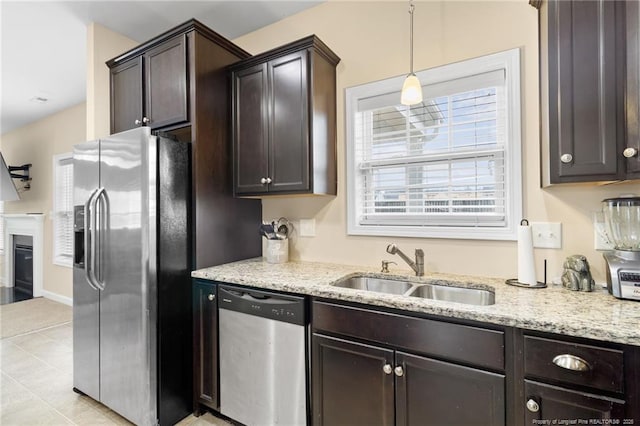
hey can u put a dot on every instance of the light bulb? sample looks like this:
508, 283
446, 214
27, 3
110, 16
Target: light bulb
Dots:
411, 91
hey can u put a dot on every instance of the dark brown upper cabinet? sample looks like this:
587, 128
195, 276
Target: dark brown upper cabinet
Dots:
151, 89
284, 121
587, 91
177, 83
631, 150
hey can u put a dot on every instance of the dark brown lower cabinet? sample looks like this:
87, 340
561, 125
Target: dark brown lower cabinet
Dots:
547, 402
432, 392
205, 344
360, 384
350, 386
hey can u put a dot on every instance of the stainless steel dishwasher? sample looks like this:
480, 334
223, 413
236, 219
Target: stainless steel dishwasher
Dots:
262, 357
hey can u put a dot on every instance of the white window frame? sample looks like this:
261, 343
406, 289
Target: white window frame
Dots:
509, 61
58, 258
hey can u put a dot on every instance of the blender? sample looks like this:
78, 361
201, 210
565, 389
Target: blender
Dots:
622, 224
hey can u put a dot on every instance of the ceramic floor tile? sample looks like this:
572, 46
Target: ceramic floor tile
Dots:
209, 419
19, 362
11, 393
32, 412
62, 333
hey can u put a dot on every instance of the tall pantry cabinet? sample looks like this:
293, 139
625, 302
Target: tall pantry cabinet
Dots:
177, 83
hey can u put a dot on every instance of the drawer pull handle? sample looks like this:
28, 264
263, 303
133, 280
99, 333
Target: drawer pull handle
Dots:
571, 362
532, 406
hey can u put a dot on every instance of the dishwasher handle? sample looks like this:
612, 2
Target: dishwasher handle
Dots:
275, 306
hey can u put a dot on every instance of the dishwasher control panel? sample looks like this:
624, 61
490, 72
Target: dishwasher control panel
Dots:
265, 304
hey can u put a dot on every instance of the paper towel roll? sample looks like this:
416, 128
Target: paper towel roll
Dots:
526, 267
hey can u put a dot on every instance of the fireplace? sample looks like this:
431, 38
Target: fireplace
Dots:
20, 253
23, 266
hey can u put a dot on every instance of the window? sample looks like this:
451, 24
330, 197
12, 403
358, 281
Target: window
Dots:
63, 209
448, 167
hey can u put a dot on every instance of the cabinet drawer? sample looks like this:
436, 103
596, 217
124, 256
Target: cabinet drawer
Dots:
604, 367
455, 342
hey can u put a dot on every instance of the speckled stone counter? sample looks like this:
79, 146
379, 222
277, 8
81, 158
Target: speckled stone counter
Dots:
596, 315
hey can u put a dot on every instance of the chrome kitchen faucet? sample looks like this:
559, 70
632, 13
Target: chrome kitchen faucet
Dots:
417, 266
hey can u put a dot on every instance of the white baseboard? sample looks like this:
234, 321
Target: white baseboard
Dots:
57, 298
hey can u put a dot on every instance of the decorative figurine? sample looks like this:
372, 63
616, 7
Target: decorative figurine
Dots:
577, 275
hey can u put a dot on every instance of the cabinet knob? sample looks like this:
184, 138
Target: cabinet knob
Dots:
399, 371
145, 120
211, 297
268, 180
263, 181
387, 369
571, 362
630, 152
137, 122
566, 158
532, 406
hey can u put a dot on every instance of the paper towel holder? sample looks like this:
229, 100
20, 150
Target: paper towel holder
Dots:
515, 282
538, 284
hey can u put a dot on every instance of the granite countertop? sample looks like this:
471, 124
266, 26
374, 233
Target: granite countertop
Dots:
595, 315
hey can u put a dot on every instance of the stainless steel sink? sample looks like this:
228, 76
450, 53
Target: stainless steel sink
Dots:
468, 295
379, 285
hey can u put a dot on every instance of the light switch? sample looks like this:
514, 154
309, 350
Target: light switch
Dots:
547, 234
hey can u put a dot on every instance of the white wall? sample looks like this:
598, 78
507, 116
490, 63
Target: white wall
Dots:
372, 39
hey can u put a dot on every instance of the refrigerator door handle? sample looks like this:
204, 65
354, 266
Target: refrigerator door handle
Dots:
94, 235
87, 244
103, 207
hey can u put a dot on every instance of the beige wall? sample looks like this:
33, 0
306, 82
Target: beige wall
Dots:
372, 40
102, 45
37, 143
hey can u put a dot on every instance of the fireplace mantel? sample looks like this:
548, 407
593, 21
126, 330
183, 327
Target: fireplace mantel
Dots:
24, 224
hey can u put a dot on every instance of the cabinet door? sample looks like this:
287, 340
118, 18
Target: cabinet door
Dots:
205, 335
350, 385
584, 113
431, 392
546, 402
166, 83
250, 133
633, 90
126, 95
289, 125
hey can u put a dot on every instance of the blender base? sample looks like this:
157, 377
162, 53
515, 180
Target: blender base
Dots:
623, 274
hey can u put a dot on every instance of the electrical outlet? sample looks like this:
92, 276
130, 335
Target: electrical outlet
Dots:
307, 227
547, 234
600, 239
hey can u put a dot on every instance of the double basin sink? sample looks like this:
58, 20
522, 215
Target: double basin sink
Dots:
424, 290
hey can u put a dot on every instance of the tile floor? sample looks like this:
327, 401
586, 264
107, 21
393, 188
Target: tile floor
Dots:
36, 381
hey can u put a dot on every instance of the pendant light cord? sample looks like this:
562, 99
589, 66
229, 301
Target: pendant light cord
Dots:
411, 7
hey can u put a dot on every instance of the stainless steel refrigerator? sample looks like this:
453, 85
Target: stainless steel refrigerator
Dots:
131, 277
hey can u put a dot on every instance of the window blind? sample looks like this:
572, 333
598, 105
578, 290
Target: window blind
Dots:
441, 162
63, 209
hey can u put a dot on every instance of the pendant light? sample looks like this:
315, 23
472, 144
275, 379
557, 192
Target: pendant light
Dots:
411, 89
